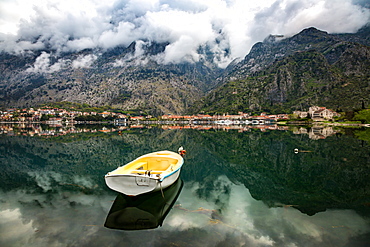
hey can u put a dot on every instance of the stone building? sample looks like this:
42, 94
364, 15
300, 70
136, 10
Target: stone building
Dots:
321, 113
317, 113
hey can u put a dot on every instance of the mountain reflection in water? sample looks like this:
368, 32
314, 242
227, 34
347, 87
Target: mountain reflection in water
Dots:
240, 189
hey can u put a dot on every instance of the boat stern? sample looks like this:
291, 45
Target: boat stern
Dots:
131, 185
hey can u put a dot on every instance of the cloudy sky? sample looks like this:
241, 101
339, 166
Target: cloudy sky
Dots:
232, 25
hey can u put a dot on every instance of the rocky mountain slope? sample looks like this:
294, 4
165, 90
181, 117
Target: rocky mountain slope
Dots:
279, 74
126, 78
310, 68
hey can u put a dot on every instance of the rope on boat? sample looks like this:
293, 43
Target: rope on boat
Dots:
160, 185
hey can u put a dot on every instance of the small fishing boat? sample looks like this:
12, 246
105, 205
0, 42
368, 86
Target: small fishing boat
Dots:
148, 173
145, 211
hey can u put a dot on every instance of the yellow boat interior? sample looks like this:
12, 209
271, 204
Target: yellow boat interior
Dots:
151, 166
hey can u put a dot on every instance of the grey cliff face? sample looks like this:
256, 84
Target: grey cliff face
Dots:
118, 77
283, 75
135, 77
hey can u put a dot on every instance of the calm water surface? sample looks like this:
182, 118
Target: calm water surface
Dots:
239, 189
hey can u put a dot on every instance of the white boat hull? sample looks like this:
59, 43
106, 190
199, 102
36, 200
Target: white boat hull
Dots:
134, 185
148, 173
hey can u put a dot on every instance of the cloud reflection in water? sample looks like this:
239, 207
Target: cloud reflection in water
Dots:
227, 218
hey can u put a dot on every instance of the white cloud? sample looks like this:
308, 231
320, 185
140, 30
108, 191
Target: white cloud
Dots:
80, 44
119, 63
42, 64
137, 57
122, 34
227, 27
84, 61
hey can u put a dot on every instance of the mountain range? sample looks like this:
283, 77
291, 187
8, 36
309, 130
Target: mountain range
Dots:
278, 75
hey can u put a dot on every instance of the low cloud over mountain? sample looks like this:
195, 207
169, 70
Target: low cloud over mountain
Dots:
228, 28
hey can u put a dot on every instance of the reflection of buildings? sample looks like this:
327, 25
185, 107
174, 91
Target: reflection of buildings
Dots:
321, 132
48, 130
58, 130
241, 118
240, 128
316, 132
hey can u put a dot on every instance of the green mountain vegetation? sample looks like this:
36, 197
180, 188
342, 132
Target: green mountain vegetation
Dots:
295, 83
114, 77
279, 75
363, 116
72, 106
298, 81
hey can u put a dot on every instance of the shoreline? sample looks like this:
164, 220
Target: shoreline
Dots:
164, 122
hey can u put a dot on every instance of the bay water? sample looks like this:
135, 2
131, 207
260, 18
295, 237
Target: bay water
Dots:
242, 187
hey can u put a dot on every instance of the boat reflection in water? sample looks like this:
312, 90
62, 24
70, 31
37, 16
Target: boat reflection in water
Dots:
145, 211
